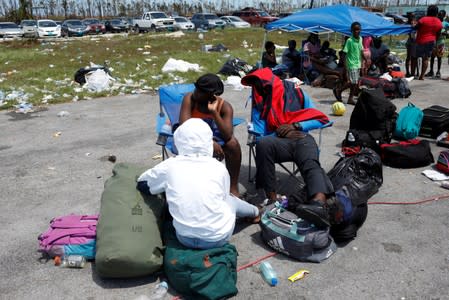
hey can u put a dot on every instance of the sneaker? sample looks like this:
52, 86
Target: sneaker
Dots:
438, 75
314, 212
430, 74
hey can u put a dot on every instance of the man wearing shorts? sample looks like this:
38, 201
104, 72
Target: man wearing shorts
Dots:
428, 32
438, 51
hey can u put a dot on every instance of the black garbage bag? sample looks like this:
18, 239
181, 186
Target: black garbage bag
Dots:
235, 66
360, 174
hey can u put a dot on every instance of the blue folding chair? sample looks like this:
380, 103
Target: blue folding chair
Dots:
170, 100
257, 129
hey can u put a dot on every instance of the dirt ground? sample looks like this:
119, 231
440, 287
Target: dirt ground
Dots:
52, 166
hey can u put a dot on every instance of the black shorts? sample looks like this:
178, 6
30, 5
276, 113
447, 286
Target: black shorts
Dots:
424, 50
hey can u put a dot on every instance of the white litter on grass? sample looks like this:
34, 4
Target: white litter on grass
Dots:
139, 49
148, 60
46, 98
51, 66
78, 90
235, 82
48, 79
173, 65
146, 53
98, 81
201, 36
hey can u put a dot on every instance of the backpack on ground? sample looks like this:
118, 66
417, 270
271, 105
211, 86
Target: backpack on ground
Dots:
443, 162
129, 243
199, 273
70, 235
374, 113
408, 123
286, 233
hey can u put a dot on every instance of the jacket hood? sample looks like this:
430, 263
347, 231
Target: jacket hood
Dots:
194, 138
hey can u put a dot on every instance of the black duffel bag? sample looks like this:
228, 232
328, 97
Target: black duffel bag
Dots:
407, 154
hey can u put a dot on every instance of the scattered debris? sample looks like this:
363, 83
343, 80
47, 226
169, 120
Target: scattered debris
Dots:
173, 65
57, 134
63, 113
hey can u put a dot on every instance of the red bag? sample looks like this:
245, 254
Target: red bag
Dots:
443, 162
407, 154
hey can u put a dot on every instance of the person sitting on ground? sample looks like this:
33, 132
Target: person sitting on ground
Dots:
379, 55
428, 32
269, 56
292, 59
438, 51
320, 63
353, 50
206, 104
196, 187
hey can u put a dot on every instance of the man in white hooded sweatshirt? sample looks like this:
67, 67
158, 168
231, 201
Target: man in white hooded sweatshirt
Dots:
196, 187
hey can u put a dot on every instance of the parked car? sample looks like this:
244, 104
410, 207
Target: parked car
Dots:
390, 19
29, 28
284, 14
398, 19
254, 16
48, 28
125, 21
95, 26
116, 25
182, 23
207, 21
73, 27
10, 29
233, 21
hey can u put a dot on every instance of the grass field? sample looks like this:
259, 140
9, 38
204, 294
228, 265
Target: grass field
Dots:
41, 71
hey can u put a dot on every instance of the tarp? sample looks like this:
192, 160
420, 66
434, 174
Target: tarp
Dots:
338, 18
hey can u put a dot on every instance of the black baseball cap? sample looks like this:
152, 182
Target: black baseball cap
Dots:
210, 83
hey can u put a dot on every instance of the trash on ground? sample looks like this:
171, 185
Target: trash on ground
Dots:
57, 134
98, 80
63, 113
24, 108
298, 275
173, 65
156, 157
235, 82
435, 175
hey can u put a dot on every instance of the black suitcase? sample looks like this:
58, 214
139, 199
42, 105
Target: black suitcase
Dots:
435, 121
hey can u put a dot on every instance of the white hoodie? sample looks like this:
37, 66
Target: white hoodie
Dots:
196, 185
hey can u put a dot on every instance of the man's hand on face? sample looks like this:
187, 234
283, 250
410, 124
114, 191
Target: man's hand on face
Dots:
218, 151
213, 106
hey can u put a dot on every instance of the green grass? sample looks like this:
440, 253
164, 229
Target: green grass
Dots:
44, 70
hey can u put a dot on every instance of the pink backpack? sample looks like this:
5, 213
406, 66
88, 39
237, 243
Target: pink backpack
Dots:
70, 235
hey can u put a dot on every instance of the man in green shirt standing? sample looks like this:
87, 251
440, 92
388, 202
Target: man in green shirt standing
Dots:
353, 50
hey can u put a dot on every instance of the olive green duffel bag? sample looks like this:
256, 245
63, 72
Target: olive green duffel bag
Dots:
128, 232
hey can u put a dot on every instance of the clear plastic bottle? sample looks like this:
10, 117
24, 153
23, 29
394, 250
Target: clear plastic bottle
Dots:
164, 134
73, 261
268, 273
160, 291
351, 139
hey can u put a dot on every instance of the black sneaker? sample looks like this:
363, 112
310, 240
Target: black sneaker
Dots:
430, 74
314, 212
438, 75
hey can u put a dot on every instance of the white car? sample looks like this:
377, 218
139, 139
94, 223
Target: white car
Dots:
390, 19
10, 29
233, 21
182, 23
29, 28
48, 28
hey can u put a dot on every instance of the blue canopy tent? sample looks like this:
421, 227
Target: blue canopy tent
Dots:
337, 18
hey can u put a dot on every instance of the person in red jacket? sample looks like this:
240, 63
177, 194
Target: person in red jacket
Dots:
428, 31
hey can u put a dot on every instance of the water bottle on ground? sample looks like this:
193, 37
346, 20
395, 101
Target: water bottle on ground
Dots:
268, 273
160, 291
73, 261
351, 139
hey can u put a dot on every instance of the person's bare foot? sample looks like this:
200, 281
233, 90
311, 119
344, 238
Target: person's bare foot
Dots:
420, 78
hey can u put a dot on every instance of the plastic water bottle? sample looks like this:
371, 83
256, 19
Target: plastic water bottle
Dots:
268, 274
164, 134
73, 261
160, 291
351, 139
